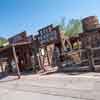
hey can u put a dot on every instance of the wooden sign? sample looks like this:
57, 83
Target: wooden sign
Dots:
47, 35
21, 37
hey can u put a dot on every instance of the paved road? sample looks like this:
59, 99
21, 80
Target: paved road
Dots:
7, 94
55, 87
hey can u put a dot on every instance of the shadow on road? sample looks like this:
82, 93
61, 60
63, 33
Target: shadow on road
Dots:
8, 80
2, 75
6, 77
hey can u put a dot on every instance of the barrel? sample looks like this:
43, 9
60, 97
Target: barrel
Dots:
90, 23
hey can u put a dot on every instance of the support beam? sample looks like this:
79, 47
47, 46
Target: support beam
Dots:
40, 62
90, 59
1, 67
47, 56
16, 61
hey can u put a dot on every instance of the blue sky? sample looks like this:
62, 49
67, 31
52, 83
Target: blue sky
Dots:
30, 15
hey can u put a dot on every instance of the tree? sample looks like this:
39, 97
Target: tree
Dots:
73, 27
62, 24
2, 41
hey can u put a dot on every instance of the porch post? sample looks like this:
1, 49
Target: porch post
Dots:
90, 59
15, 58
1, 67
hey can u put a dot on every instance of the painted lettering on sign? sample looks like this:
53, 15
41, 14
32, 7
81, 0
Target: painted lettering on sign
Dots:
47, 35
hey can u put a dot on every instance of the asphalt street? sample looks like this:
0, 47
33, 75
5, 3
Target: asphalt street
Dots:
85, 86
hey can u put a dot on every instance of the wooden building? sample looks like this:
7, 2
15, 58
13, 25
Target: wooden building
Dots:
19, 50
90, 37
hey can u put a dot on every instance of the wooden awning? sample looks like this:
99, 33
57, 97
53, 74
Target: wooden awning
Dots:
16, 44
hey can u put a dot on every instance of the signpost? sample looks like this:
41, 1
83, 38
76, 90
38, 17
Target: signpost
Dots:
50, 40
